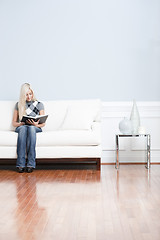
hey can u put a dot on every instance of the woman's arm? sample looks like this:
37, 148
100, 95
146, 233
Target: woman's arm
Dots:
15, 122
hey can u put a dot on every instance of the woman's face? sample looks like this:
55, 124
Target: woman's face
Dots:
29, 95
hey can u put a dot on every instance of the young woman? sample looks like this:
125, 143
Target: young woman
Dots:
27, 105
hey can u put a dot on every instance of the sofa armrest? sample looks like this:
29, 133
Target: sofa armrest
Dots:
96, 126
96, 129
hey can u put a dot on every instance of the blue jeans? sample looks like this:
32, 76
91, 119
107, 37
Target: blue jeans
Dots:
26, 145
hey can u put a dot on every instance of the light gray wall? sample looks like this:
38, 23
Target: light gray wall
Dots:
73, 49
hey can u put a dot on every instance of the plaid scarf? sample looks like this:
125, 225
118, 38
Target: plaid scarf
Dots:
32, 109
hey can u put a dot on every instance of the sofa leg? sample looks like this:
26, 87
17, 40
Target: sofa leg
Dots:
98, 161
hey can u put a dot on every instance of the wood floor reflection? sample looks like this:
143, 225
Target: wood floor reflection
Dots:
80, 203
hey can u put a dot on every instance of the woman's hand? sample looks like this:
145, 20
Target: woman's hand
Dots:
18, 124
21, 124
32, 122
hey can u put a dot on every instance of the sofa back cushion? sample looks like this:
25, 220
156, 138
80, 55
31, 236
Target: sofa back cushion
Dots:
7, 109
71, 114
63, 115
56, 111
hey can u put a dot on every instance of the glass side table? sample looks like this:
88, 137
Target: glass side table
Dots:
147, 136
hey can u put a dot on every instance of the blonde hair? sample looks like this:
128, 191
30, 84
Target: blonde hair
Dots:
22, 99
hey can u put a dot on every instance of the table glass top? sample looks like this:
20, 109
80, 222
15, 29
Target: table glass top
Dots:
132, 135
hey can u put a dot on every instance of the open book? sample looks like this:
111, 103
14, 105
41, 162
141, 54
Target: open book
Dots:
42, 118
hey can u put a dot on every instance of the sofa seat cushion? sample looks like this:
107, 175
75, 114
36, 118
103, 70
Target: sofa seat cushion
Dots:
68, 138
56, 138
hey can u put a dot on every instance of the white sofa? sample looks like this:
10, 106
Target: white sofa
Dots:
72, 132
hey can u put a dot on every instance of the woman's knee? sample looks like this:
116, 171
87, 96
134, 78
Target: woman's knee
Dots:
31, 130
21, 129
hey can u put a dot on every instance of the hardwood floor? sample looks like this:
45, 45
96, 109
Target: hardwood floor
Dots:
80, 204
